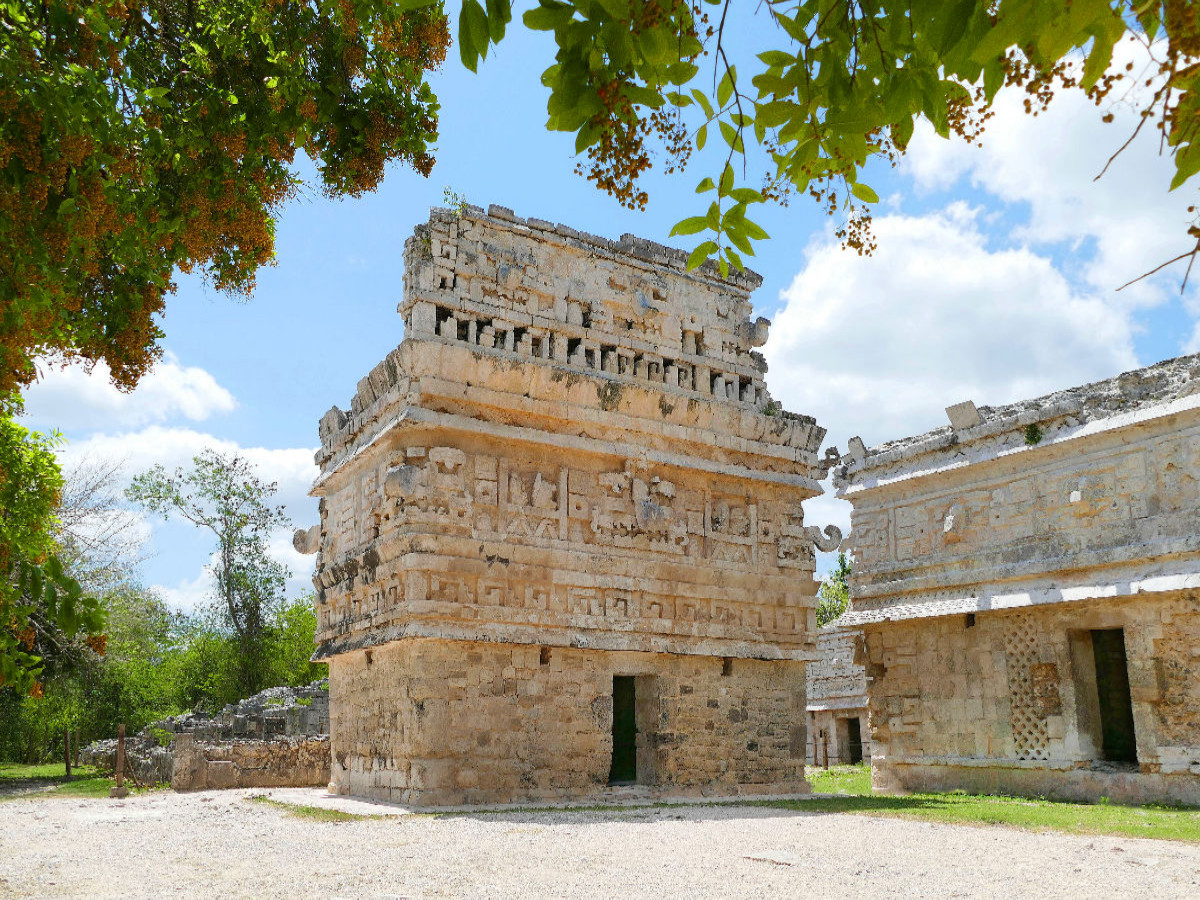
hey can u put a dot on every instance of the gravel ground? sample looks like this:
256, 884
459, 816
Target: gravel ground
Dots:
219, 845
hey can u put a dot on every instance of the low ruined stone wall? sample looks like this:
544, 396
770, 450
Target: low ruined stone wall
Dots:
432, 722
147, 762
283, 762
285, 715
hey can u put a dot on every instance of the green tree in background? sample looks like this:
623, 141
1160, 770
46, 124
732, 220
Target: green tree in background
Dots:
833, 596
46, 621
224, 495
834, 84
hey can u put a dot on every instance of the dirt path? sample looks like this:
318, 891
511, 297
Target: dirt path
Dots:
220, 844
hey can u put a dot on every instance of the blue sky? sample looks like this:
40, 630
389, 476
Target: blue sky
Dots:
994, 280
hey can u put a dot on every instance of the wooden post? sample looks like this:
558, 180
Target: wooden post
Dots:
825, 744
67, 750
120, 790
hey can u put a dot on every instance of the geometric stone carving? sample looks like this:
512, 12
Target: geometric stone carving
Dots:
1027, 712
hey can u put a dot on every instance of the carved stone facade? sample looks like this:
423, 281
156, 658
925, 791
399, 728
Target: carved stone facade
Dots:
837, 701
1027, 585
569, 474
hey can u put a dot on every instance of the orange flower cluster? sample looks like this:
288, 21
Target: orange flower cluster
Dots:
618, 160
152, 163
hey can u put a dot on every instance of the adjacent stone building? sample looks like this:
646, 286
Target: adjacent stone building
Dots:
561, 542
1027, 585
837, 701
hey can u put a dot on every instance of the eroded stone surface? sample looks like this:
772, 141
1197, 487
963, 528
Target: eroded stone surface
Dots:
572, 454
837, 696
985, 561
218, 765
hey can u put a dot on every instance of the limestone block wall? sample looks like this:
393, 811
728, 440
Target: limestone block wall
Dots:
282, 762
837, 674
434, 722
1007, 703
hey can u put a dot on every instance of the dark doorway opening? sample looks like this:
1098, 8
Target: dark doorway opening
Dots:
1112, 686
854, 739
624, 752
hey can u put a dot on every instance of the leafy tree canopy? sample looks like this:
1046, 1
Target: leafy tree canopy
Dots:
833, 596
141, 136
42, 608
837, 84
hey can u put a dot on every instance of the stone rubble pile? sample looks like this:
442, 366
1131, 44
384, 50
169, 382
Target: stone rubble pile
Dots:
276, 714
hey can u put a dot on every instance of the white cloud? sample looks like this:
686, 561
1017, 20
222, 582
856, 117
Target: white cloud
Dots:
879, 346
1116, 228
292, 468
74, 400
187, 595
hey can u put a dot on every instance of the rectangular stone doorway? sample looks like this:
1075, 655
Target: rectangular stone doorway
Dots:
854, 739
1112, 686
624, 735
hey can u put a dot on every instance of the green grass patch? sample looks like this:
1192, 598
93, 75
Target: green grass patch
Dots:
852, 784
45, 771
312, 813
50, 780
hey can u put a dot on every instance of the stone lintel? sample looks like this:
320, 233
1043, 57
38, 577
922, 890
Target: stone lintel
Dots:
539, 635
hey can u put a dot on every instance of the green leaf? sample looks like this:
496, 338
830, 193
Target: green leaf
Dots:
701, 137
701, 254
705, 186
775, 58
549, 16
754, 230
726, 183
746, 195
864, 193
616, 9
702, 99
499, 14
725, 88
732, 137
692, 225
775, 113
738, 238
681, 72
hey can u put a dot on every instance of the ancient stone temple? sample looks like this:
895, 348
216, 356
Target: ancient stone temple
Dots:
561, 541
1027, 583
